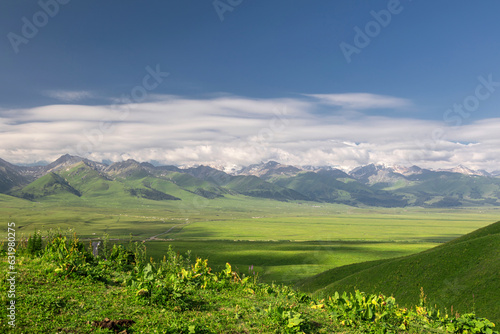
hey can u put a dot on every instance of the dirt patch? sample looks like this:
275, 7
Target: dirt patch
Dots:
117, 326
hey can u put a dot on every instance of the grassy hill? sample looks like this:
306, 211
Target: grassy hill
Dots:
51, 184
463, 273
325, 187
93, 186
445, 189
90, 182
195, 185
250, 185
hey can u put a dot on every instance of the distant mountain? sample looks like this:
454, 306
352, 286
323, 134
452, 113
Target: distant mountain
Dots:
127, 169
407, 171
209, 174
159, 170
10, 176
198, 186
246, 183
333, 172
61, 163
87, 180
448, 189
269, 170
370, 185
50, 184
377, 174
251, 185
466, 171
324, 186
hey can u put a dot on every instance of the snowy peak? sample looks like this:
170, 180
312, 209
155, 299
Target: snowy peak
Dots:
466, 171
270, 169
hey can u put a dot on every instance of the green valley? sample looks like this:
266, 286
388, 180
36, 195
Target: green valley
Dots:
319, 231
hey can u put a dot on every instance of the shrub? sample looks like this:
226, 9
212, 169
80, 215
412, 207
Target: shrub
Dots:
34, 245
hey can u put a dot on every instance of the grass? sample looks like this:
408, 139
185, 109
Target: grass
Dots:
284, 261
47, 303
353, 227
64, 289
284, 241
462, 274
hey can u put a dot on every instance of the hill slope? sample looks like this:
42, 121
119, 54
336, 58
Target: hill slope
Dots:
250, 185
325, 187
444, 189
51, 184
10, 177
460, 273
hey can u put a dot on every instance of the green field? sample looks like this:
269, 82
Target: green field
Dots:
286, 249
462, 274
284, 241
283, 261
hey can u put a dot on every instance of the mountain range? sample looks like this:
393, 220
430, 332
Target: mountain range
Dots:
370, 185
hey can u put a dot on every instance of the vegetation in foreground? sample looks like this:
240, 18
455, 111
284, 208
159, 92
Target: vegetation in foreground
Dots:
63, 288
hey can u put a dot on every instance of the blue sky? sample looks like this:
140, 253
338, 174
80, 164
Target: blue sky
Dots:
236, 68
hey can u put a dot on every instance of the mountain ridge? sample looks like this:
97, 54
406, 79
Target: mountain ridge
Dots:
368, 185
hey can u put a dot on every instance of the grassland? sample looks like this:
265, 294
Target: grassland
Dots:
283, 241
462, 273
284, 261
62, 288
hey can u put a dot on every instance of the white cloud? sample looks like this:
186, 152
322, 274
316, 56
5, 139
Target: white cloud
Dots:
360, 101
238, 130
68, 95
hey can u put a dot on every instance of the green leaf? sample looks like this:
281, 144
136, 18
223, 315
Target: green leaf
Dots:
368, 313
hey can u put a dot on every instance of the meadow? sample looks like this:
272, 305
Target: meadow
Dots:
279, 241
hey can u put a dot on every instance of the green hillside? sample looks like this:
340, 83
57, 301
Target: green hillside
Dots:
463, 273
325, 187
250, 185
92, 185
7, 201
195, 185
90, 182
444, 189
51, 184
127, 169
158, 184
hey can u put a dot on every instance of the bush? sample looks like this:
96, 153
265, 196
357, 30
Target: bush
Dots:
70, 257
34, 245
